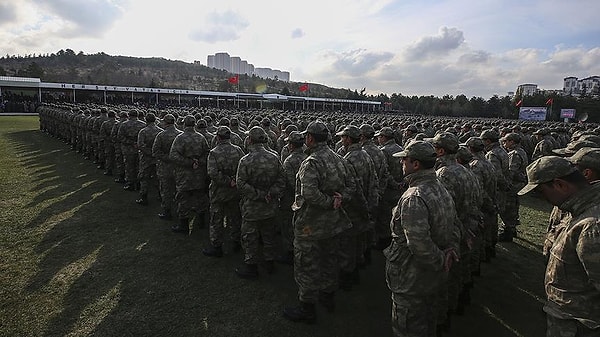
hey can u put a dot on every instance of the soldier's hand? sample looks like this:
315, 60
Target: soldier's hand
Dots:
195, 164
450, 257
337, 200
232, 183
268, 198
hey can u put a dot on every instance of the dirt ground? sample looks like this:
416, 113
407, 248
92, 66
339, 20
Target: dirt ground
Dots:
80, 258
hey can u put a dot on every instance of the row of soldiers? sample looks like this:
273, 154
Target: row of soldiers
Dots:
252, 176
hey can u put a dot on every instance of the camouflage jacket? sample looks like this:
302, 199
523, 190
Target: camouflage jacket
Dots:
145, 142
517, 163
396, 175
106, 129
291, 165
379, 162
321, 174
128, 135
485, 173
366, 195
161, 149
223, 162
543, 148
261, 181
499, 158
573, 272
188, 148
422, 226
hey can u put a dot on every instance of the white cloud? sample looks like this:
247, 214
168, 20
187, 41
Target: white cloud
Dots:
446, 41
220, 26
297, 33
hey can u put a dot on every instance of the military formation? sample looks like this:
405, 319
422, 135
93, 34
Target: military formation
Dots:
322, 193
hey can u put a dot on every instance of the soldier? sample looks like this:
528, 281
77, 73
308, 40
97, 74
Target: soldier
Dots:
291, 165
128, 136
164, 167
189, 154
360, 209
147, 162
573, 270
224, 197
100, 151
394, 187
421, 250
517, 162
114, 136
323, 186
543, 144
260, 181
109, 147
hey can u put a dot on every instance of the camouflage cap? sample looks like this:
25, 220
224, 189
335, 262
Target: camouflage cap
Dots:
257, 135
295, 137
419, 150
290, 128
541, 131
169, 119
367, 130
385, 131
546, 169
189, 120
515, 137
587, 157
412, 128
573, 147
350, 131
464, 155
445, 140
317, 128
591, 138
201, 123
489, 134
132, 113
224, 132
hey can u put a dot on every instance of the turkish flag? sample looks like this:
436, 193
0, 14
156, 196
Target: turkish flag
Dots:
303, 87
235, 79
549, 101
519, 103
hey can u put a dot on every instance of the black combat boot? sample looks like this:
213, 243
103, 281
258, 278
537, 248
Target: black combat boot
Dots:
199, 221
108, 172
213, 251
182, 227
327, 300
247, 271
165, 215
143, 200
304, 313
120, 180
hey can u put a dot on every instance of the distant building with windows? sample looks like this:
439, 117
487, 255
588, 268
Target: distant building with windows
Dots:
527, 89
585, 86
235, 65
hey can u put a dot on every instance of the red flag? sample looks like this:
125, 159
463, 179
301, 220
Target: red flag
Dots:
549, 101
518, 104
303, 87
235, 79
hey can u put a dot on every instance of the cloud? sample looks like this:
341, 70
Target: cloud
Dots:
356, 62
447, 40
8, 13
88, 18
225, 26
297, 33
478, 56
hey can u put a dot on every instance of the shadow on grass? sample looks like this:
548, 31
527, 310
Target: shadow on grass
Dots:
108, 267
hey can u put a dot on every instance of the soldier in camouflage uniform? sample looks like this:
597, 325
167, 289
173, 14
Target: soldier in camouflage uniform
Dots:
114, 136
261, 181
100, 151
394, 187
360, 209
517, 162
572, 278
323, 186
222, 166
291, 165
499, 158
147, 162
107, 143
421, 250
543, 143
164, 168
189, 154
128, 136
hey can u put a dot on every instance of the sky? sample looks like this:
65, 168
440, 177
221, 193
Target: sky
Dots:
410, 47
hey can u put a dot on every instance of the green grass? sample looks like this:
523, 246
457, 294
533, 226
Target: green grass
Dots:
78, 257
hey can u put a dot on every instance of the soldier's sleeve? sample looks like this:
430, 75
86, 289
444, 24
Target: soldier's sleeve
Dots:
289, 172
415, 224
588, 250
141, 141
350, 182
214, 173
308, 176
373, 192
156, 149
242, 181
279, 185
176, 154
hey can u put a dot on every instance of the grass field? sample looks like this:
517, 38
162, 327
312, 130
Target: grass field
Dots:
78, 257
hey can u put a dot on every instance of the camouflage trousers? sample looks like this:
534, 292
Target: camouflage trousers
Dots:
109, 157
490, 229
413, 316
352, 250
510, 219
316, 267
225, 215
100, 151
191, 202
166, 185
287, 228
556, 327
251, 233
131, 162
384, 215
146, 176
119, 164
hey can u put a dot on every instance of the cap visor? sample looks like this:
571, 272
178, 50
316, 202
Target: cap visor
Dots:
561, 151
528, 188
400, 154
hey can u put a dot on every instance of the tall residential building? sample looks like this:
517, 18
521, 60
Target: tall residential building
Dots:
235, 65
585, 86
223, 61
210, 61
527, 89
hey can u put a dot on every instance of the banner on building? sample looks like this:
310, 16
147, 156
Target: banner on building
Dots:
533, 113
